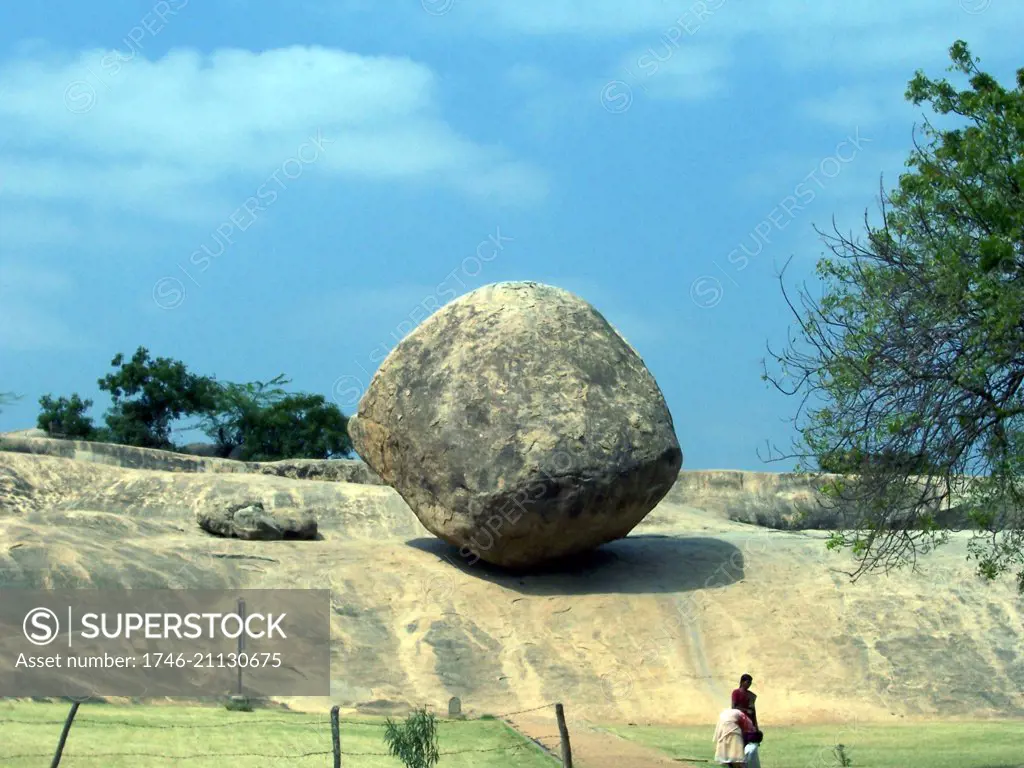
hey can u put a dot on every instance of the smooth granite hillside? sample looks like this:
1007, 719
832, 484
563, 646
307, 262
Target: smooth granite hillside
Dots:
653, 628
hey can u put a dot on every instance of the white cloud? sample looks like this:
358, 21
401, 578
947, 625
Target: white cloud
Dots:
800, 33
669, 70
550, 104
729, 18
591, 18
120, 133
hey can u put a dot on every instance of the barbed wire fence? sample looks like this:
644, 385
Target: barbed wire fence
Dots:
73, 757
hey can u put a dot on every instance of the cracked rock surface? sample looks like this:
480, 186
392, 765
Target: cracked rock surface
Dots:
519, 426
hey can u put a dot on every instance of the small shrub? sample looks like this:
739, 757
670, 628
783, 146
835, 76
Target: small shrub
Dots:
238, 704
415, 741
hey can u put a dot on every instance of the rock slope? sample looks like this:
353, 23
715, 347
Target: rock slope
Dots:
655, 627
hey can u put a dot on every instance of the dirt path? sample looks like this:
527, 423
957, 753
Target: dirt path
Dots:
594, 748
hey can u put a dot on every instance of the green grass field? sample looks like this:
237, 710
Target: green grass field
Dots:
107, 736
978, 744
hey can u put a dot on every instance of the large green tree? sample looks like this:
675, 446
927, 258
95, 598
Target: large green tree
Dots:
910, 363
149, 395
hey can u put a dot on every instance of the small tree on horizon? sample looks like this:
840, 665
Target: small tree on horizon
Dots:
66, 417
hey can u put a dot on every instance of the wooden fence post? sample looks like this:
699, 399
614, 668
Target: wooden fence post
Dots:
563, 733
241, 643
64, 734
336, 735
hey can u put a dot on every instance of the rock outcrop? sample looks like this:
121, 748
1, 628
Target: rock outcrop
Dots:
250, 519
652, 627
130, 457
519, 426
787, 500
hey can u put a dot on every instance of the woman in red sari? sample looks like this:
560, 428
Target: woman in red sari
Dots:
743, 699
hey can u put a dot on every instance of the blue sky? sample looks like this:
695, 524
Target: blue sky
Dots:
348, 166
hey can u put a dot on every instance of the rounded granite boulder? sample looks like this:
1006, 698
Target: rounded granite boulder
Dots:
519, 426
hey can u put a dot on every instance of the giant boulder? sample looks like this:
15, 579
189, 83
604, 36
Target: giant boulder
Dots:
519, 426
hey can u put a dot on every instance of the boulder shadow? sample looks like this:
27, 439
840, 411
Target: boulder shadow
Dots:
635, 565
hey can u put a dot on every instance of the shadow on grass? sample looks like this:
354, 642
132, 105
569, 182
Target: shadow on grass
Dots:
636, 565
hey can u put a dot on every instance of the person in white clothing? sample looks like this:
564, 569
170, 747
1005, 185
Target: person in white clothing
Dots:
750, 756
752, 743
